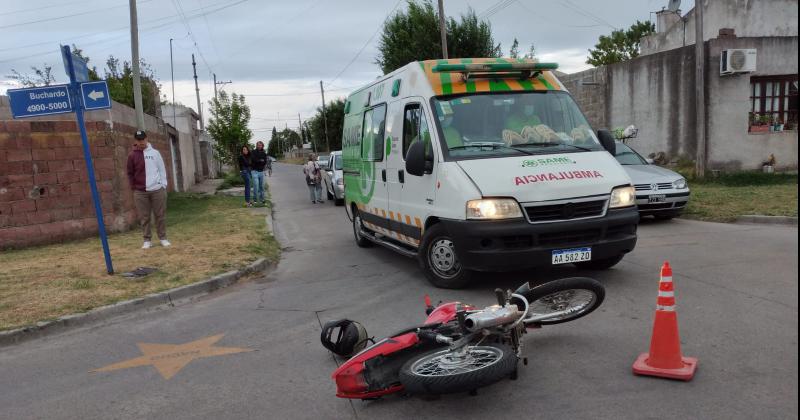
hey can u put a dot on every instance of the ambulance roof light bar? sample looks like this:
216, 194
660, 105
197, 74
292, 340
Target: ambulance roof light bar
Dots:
495, 70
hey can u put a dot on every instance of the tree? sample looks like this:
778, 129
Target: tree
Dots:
621, 45
274, 148
230, 116
414, 35
334, 113
514, 51
531, 54
41, 76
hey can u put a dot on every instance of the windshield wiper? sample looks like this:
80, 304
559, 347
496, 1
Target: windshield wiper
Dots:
547, 143
492, 145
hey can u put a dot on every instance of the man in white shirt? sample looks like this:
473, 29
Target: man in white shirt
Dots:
148, 178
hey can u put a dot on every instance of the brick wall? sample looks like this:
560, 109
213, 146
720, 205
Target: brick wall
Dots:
44, 189
589, 88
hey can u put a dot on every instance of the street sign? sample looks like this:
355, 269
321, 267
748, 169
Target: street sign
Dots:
79, 65
95, 95
33, 102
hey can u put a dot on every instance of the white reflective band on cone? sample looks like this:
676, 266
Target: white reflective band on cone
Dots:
666, 308
662, 293
666, 279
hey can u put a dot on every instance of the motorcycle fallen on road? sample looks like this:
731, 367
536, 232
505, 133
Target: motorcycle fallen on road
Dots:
459, 348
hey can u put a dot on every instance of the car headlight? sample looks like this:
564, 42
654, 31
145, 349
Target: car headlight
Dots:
679, 184
622, 197
340, 182
493, 208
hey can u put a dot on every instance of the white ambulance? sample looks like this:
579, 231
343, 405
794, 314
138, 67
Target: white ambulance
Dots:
483, 165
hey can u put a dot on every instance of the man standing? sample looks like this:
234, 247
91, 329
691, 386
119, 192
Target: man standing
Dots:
148, 179
259, 162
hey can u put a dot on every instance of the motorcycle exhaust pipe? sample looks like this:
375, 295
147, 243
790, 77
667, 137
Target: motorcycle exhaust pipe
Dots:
492, 317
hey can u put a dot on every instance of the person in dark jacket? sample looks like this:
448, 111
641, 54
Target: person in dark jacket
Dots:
245, 168
258, 162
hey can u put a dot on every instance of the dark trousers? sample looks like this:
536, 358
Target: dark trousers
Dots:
246, 178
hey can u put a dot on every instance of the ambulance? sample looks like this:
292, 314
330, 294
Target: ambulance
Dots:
483, 164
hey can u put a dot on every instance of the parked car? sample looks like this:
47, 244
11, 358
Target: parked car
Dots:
323, 161
660, 192
333, 178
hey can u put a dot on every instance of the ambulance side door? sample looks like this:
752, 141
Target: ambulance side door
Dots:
372, 183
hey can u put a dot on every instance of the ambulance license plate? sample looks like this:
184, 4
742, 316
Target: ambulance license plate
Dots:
567, 256
657, 198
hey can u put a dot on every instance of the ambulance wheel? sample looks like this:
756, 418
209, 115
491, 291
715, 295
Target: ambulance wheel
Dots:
358, 227
439, 262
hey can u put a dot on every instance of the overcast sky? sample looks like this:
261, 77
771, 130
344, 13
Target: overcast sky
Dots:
274, 51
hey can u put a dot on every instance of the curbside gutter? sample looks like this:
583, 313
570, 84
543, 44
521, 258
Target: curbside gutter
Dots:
153, 300
767, 220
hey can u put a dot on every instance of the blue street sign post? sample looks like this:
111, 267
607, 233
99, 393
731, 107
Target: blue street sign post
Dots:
47, 100
73, 97
95, 95
87, 156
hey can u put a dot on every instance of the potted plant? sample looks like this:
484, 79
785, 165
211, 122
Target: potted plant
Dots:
779, 124
758, 123
769, 121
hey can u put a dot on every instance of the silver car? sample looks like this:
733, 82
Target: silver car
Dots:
660, 192
333, 178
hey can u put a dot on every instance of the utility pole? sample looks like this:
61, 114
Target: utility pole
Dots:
442, 29
324, 118
172, 72
197, 91
137, 82
700, 100
216, 83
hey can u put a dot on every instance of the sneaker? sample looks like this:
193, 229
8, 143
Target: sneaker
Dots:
165, 243
147, 245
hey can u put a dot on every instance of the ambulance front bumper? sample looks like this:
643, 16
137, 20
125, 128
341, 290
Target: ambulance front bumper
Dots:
517, 244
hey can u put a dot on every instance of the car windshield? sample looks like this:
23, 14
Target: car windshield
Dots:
517, 123
323, 160
627, 156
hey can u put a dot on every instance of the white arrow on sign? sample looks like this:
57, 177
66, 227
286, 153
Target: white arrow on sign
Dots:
95, 95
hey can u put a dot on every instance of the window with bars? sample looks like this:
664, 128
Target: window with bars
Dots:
773, 99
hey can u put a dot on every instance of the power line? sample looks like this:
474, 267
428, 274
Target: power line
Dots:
39, 9
13, 25
550, 21
497, 7
367, 43
575, 8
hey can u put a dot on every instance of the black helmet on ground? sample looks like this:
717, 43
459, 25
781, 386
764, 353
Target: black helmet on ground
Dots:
350, 338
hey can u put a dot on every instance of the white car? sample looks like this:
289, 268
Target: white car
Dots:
333, 178
660, 192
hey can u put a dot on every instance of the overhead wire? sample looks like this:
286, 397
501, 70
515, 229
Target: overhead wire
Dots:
577, 9
39, 9
366, 43
30, 22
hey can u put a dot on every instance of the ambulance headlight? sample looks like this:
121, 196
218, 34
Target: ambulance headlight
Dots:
622, 197
493, 208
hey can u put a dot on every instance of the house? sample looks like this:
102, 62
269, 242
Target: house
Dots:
193, 157
751, 68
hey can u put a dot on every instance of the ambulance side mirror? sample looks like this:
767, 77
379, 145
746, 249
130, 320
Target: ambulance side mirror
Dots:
607, 141
415, 160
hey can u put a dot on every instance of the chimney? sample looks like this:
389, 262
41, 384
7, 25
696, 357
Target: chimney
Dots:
665, 19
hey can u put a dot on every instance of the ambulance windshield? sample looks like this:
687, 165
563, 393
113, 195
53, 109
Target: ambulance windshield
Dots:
489, 125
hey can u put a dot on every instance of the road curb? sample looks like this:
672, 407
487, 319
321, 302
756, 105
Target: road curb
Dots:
167, 297
767, 220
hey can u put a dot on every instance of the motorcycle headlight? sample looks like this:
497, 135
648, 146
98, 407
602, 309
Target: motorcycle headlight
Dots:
679, 184
622, 197
493, 208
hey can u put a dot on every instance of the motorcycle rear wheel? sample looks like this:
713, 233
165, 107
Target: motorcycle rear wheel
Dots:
446, 372
580, 295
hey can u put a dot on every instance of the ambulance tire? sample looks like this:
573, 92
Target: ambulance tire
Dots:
358, 226
439, 262
603, 264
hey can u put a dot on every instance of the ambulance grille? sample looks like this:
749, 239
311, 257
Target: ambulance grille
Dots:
565, 211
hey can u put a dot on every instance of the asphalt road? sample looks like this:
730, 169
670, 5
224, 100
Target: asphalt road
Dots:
736, 289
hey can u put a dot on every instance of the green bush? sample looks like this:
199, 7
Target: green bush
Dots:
230, 180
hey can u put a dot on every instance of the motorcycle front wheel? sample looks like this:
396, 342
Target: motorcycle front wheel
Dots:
564, 300
449, 371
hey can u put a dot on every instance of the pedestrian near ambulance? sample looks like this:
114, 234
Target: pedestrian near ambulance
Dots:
245, 169
148, 179
259, 162
313, 179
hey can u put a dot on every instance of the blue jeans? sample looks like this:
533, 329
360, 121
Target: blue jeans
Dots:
246, 177
258, 185
315, 191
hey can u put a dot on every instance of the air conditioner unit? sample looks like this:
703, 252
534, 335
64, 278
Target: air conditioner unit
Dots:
737, 61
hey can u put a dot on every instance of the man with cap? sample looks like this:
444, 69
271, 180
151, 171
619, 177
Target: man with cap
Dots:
148, 178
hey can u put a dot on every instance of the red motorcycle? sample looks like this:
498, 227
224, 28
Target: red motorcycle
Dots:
459, 348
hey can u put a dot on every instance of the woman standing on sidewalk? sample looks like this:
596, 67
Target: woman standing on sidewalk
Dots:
244, 169
258, 162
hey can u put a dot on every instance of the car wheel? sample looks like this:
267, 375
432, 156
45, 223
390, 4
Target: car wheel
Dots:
439, 261
358, 227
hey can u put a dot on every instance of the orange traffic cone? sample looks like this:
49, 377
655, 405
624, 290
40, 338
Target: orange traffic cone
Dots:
665, 359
